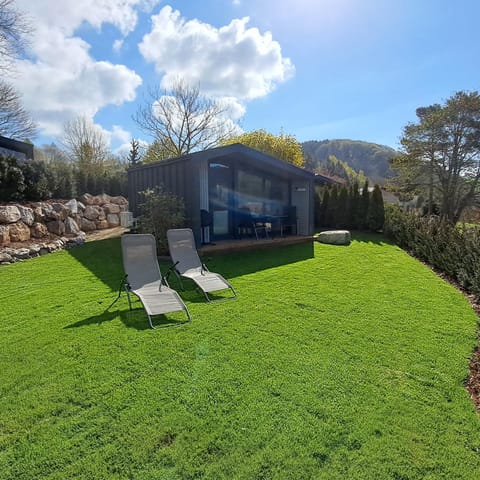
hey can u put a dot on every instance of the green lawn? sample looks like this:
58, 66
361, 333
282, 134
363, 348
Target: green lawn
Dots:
334, 362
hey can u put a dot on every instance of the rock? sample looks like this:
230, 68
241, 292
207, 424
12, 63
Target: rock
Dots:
87, 199
335, 237
81, 206
39, 214
61, 210
102, 224
56, 226
38, 230
119, 200
27, 215
93, 213
71, 226
111, 208
19, 232
102, 199
5, 258
22, 253
72, 206
87, 225
4, 235
34, 250
50, 213
113, 220
9, 214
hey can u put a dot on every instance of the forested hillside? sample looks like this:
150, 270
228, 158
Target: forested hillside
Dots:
371, 158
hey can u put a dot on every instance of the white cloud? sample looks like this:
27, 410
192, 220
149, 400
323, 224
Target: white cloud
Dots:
61, 80
231, 61
117, 45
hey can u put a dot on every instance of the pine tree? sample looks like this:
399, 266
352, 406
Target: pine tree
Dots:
354, 206
331, 214
325, 207
342, 208
376, 211
364, 204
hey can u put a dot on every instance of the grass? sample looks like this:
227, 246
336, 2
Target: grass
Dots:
334, 362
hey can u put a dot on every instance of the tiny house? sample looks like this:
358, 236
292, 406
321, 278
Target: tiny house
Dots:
220, 183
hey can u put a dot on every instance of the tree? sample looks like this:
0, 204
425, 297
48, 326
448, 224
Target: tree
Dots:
342, 216
283, 146
182, 120
155, 153
134, 155
87, 148
441, 155
376, 210
364, 206
14, 31
15, 122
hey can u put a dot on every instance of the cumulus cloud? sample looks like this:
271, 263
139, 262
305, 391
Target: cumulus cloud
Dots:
231, 61
61, 80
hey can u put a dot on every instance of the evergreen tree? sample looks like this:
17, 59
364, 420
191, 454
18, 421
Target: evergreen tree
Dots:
354, 206
331, 214
364, 204
325, 207
12, 183
376, 210
342, 208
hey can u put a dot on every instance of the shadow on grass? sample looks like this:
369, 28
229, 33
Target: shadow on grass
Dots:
104, 259
135, 318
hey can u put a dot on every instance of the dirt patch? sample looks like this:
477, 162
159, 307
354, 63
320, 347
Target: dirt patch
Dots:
107, 233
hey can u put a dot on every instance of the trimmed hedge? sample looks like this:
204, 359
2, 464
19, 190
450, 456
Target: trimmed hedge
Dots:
449, 248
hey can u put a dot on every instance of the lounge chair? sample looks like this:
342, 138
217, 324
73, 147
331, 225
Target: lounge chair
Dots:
187, 264
144, 279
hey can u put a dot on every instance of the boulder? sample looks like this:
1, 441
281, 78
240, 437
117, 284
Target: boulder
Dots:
61, 210
27, 215
111, 208
102, 224
19, 232
102, 199
71, 226
4, 235
39, 214
93, 213
38, 230
50, 213
113, 220
72, 206
87, 225
335, 237
81, 206
87, 199
9, 214
56, 227
119, 200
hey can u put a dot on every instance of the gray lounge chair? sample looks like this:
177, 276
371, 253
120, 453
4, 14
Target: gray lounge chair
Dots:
144, 279
187, 264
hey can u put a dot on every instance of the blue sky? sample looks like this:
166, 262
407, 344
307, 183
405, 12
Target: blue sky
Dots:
317, 69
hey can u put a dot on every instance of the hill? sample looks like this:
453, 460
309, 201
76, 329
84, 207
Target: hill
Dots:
370, 158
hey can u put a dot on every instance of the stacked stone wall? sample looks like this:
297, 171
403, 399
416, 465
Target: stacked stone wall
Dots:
33, 229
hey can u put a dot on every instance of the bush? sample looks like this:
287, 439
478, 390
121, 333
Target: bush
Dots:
452, 250
161, 211
12, 181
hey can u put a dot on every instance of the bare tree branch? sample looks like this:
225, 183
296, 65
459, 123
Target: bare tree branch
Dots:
15, 122
182, 120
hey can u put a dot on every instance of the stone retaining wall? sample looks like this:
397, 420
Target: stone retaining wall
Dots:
29, 230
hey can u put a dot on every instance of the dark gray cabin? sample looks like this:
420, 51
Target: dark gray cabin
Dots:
15, 148
222, 181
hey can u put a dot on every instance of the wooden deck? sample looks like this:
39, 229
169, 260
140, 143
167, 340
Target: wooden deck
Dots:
230, 246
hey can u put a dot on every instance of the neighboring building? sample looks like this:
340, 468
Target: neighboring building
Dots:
15, 148
225, 181
324, 180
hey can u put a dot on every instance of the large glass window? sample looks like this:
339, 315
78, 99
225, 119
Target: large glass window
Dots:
261, 194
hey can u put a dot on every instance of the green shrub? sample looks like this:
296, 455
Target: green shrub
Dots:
161, 211
12, 181
452, 250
